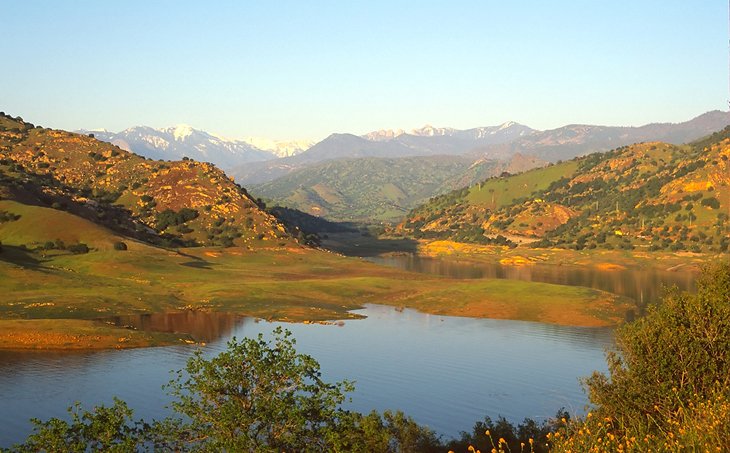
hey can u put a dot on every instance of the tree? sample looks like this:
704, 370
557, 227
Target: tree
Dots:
683, 344
78, 249
259, 396
669, 380
104, 429
119, 245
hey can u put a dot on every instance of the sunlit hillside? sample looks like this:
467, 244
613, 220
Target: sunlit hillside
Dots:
650, 196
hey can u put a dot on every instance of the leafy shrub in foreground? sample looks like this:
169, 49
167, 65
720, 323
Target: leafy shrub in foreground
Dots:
669, 381
258, 396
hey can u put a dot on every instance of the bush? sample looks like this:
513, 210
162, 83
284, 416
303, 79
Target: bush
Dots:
6, 216
78, 249
257, 396
169, 217
119, 245
669, 379
711, 202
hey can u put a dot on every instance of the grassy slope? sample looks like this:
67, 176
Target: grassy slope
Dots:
364, 189
38, 224
55, 290
647, 196
287, 284
499, 192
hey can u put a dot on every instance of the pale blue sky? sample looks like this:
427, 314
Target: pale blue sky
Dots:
304, 69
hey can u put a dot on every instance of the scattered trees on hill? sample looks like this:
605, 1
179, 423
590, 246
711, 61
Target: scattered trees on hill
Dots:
168, 217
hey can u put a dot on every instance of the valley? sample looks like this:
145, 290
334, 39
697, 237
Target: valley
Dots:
90, 231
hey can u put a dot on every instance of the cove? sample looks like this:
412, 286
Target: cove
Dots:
446, 372
644, 286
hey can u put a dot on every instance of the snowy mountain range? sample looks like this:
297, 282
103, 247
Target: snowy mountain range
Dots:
503, 133
256, 160
176, 142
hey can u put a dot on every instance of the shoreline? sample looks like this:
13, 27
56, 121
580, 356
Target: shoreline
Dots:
54, 310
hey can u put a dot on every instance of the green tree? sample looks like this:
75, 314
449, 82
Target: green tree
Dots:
104, 429
119, 245
668, 386
259, 396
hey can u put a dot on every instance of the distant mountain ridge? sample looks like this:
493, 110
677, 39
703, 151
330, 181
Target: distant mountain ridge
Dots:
475, 133
176, 142
427, 141
491, 142
579, 139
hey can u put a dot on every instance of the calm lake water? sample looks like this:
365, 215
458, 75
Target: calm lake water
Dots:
642, 285
446, 372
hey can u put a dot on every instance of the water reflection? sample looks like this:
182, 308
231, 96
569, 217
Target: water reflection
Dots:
643, 286
446, 372
203, 326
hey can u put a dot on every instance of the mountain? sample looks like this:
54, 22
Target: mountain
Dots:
428, 141
649, 195
577, 139
49, 174
503, 133
280, 148
379, 188
492, 142
174, 143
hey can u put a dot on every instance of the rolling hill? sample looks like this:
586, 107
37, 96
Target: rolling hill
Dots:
379, 189
165, 203
652, 196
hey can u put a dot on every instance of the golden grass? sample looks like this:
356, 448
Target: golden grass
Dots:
272, 283
72, 334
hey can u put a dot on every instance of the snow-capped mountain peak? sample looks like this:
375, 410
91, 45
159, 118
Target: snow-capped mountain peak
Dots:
182, 140
180, 132
281, 148
430, 131
383, 135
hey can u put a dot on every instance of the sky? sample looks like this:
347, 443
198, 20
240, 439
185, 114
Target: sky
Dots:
305, 69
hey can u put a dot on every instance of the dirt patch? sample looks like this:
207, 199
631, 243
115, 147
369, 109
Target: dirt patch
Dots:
610, 267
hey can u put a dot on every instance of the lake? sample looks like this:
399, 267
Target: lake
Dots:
644, 286
446, 372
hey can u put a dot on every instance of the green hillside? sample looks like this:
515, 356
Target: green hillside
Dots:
166, 203
652, 196
82, 222
363, 189
380, 189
